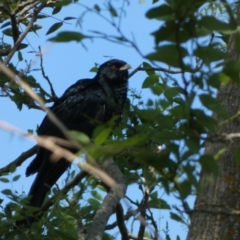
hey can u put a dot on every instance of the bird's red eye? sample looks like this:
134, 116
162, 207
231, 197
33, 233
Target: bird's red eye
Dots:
113, 67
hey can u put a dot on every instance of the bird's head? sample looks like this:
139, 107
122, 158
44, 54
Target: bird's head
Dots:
114, 70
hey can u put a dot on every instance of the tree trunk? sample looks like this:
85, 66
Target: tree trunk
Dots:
216, 213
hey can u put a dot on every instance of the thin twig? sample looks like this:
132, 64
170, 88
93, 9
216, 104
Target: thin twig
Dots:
139, 68
19, 160
23, 35
15, 32
64, 190
54, 96
120, 222
35, 97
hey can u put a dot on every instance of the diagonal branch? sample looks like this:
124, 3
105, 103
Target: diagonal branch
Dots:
23, 35
53, 94
18, 161
139, 68
117, 191
120, 221
64, 190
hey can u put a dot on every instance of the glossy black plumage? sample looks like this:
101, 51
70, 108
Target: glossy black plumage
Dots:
98, 99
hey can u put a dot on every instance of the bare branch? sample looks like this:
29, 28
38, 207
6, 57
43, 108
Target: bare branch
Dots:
35, 97
15, 33
139, 68
18, 161
23, 35
110, 202
143, 212
53, 94
120, 221
81, 175
126, 217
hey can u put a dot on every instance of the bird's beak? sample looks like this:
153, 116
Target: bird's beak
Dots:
125, 67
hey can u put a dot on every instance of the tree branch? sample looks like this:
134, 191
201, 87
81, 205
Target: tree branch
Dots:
64, 190
120, 222
18, 161
53, 94
15, 32
23, 35
143, 212
117, 191
139, 68
126, 217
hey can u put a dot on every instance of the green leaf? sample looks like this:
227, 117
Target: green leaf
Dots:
22, 46
176, 217
15, 178
222, 78
96, 195
97, 8
8, 211
5, 180
190, 171
81, 137
171, 92
7, 192
68, 36
19, 99
6, 24
215, 80
204, 122
93, 69
62, 3
56, 10
54, 27
210, 54
112, 10
232, 69
213, 24
184, 189
41, 16
154, 195
69, 18
94, 203
237, 156
213, 104
150, 81
168, 54
158, 204
36, 27
188, 30
163, 12
220, 153
20, 58
7, 32
148, 72
209, 164
103, 136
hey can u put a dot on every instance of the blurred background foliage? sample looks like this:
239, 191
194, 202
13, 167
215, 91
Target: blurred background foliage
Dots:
158, 142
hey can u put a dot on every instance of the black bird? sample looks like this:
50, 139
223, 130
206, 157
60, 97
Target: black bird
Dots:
96, 99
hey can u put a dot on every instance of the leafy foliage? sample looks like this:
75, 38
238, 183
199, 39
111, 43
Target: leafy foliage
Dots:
158, 143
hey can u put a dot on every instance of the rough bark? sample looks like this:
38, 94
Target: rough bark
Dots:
117, 191
216, 212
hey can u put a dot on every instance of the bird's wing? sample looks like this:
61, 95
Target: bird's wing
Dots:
79, 103
76, 109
